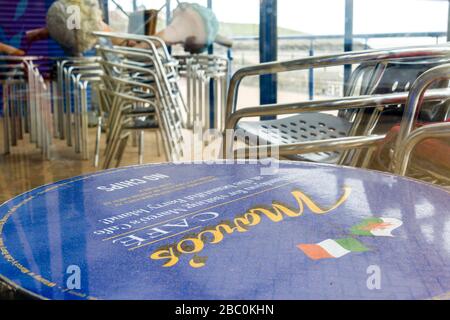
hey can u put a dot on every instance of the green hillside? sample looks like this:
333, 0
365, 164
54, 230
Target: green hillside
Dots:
247, 29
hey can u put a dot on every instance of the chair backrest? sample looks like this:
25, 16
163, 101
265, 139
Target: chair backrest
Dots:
128, 70
372, 74
389, 76
165, 65
383, 78
353, 58
407, 138
204, 72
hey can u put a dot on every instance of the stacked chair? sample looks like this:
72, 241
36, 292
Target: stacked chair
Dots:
140, 88
48, 107
27, 103
128, 89
207, 86
421, 150
14, 85
377, 97
74, 77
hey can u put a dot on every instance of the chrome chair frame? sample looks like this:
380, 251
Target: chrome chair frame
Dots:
338, 104
166, 99
408, 137
120, 99
142, 61
164, 64
81, 82
358, 57
202, 71
37, 111
69, 91
12, 77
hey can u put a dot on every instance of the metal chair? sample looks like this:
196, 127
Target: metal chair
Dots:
14, 83
432, 164
315, 136
74, 76
141, 74
123, 120
202, 72
164, 65
129, 99
27, 103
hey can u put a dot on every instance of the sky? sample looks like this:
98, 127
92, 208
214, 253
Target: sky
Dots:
327, 16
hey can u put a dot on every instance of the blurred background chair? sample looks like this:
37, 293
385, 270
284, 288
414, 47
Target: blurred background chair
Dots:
148, 76
27, 103
204, 72
74, 78
421, 149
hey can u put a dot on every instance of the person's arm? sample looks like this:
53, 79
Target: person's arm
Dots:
9, 50
117, 41
37, 34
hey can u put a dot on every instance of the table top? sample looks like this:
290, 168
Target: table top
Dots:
229, 231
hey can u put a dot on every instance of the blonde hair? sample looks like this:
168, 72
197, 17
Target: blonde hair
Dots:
75, 41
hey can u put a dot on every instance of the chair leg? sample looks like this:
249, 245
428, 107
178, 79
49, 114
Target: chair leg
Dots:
6, 139
114, 126
13, 115
121, 150
134, 139
109, 152
77, 118
113, 145
6, 142
97, 142
158, 146
20, 114
109, 155
84, 124
141, 147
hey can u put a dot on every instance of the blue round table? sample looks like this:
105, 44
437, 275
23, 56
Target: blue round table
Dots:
229, 231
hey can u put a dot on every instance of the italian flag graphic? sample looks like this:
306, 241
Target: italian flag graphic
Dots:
378, 227
332, 248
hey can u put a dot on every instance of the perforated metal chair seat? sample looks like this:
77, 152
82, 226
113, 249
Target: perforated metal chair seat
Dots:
298, 128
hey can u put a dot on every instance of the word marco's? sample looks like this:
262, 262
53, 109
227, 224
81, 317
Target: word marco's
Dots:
195, 243
132, 182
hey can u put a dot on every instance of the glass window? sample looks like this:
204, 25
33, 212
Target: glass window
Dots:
317, 28
406, 18
120, 10
239, 20
308, 28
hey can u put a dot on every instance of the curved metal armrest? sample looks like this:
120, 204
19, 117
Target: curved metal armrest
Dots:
129, 55
147, 39
131, 98
355, 102
131, 83
133, 68
416, 98
403, 152
325, 145
330, 60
